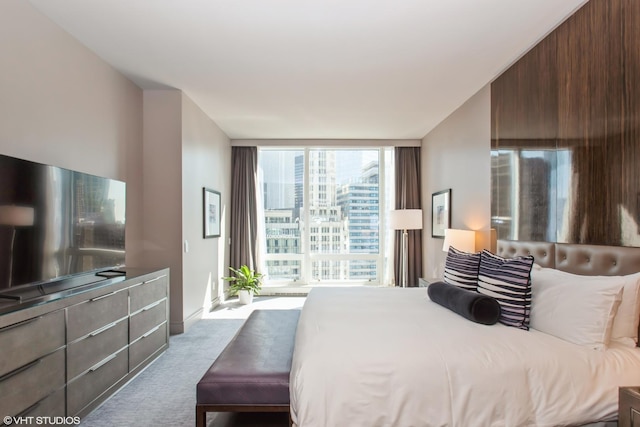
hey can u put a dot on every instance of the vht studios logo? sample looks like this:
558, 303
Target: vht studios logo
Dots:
41, 420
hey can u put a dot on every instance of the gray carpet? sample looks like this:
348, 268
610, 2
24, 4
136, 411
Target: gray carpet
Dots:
165, 393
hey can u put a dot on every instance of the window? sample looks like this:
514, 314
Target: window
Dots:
325, 206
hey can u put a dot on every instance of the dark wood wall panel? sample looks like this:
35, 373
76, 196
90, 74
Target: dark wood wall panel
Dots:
524, 106
565, 137
591, 82
630, 179
525, 98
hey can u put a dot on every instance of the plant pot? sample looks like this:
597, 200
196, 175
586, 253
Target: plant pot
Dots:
245, 297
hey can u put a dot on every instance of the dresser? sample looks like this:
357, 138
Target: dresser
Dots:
63, 355
629, 407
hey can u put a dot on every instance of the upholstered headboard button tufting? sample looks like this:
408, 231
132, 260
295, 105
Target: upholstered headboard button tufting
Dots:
587, 260
542, 252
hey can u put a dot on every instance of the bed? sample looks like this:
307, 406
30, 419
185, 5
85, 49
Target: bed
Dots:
391, 357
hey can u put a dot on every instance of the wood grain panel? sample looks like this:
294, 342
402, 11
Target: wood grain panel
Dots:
524, 134
630, 179
525, 102
590, 82
566, 133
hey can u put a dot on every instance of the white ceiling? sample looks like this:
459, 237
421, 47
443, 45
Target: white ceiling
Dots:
367, 69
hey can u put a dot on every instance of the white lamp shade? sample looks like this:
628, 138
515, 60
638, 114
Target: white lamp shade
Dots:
462, 240
406, 219
16, 216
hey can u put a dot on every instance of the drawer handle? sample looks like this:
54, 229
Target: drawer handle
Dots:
151, 331
101, 330
150, 306
19, 370
102, 297
16, 325
104, 362
154, 279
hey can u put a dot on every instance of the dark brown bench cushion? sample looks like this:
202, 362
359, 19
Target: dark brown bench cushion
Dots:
254, 367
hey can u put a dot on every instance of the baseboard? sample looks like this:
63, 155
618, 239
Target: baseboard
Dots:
191, 320
212, 304
176, 328
181, 327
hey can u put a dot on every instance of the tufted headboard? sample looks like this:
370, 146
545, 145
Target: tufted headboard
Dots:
586, 260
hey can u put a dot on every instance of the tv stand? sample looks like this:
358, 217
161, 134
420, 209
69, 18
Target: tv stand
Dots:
11, 297
66, 353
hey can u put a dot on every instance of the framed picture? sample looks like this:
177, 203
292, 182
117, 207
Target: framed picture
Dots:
440, 212
211, 213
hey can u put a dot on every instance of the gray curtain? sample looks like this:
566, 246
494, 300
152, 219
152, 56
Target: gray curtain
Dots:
407, 189
244, 214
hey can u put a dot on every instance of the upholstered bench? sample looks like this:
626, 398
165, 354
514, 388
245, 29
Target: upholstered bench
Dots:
252, 372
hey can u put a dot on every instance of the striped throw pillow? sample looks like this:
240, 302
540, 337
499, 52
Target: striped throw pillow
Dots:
509, 282
461, 269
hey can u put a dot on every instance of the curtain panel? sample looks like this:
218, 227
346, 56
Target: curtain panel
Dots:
244, 217
407, 195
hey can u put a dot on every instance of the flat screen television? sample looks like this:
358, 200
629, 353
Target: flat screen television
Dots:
57, 223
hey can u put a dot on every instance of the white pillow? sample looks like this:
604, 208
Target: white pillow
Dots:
625, 324
573, 308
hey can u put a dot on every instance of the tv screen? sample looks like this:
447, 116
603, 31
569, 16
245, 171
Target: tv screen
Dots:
56, 223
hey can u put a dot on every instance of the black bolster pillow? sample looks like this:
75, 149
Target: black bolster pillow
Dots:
471, 305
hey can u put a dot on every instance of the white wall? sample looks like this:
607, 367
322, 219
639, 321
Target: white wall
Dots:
457, 155
62, 105
206, 162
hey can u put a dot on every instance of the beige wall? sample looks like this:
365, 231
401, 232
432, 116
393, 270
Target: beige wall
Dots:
162, 176
206, 162
184, 151
457, 155
62, 105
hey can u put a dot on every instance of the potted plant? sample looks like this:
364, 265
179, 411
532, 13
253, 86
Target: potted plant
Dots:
245, 283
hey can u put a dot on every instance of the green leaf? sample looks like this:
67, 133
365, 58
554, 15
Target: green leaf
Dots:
244, 279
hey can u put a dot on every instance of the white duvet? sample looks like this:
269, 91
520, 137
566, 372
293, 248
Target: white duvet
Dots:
390, 357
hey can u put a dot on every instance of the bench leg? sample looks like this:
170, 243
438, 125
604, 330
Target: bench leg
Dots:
201, 417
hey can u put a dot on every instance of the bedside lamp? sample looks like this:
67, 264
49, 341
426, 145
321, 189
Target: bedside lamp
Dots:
405, 219
462, 240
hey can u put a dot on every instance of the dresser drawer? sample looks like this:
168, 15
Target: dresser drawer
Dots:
97, 346
147, 319
86, 388
150, 342
51, 406
27, 341
24, 387
629, 407
148, 292
92, 315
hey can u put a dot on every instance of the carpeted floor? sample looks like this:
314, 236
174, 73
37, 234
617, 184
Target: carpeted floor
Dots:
164, 394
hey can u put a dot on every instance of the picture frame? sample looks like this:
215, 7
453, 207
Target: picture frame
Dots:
211, 205
440, 213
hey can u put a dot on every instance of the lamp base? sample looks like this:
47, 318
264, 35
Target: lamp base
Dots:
405, 261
